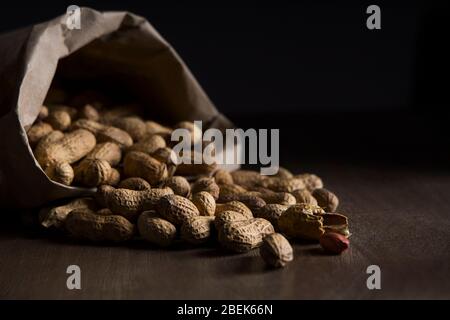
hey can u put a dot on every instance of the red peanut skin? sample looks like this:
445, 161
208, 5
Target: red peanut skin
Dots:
334, 243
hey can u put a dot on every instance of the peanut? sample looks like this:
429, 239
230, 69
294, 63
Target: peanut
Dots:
129, 203
304, 196
107, 151
311, 181
334, 243
109, 116
139, 164
186, 169
149, 145
83, 223
223, 177
270, 196
153, 127
197, 229
337, 223
134, 184
243, 236
104, 212
283, 185
105, 133
276, 250
298, 222
71, 148
61, 172
251, 201
326, 199
59, 119
179, 185
89, 112
134, 126
43, 113
247, 178
272, 212
55, 216
229, 216
95, 172
234, 206
227, 189
156, 230
167, 156
284, 173
37, 131
176, 209
206, 184
205, 203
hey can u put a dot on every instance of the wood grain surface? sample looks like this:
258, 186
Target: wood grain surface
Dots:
400, 220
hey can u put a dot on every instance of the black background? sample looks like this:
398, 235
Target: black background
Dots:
311, 68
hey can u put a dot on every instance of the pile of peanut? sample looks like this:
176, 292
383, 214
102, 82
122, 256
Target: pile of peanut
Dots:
141, 193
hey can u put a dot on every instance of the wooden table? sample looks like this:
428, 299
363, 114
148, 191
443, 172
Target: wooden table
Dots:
400, 220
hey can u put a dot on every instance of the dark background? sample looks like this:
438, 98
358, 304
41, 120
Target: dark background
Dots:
311, 68
365, 110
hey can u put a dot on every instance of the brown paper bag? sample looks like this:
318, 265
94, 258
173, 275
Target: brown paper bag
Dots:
116, 48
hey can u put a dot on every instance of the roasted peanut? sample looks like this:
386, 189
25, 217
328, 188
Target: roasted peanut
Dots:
129, 203
83, 223
134, 126
234, 206
153, 127
179, 185
304, 196
61, 172
55, 216
271, 212
206, 184
71, 148
105, 133
223, 177
253, 202
107, 151
176, 209
229, 216
227, 189
243, 236
311, 181
149, 145
89, 112
156, 230
247, 178
283, 185
298, 222
276, 250
205, 203
43, 113
139, 164
197, 229
59, 119
284, 173
134, 184
95, 172
326, 199
37, 131
334, 243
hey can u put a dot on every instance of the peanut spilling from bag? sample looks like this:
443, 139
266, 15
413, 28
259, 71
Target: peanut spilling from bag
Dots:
141, 185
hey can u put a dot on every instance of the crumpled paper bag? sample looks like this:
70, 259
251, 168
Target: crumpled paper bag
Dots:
118, 46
